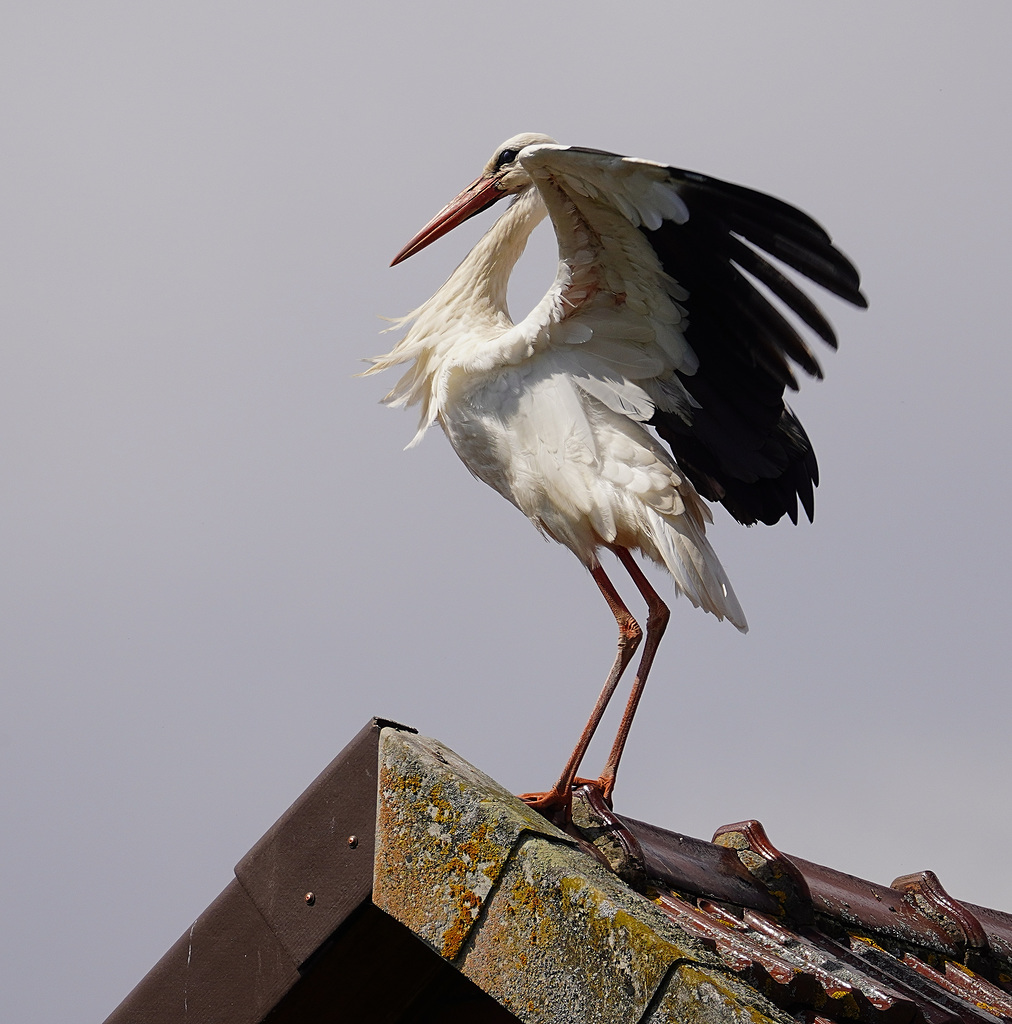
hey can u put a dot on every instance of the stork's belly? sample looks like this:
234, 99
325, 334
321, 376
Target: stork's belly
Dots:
580, 473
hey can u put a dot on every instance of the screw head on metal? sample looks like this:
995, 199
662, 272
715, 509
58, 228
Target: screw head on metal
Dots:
353, 841
310, 898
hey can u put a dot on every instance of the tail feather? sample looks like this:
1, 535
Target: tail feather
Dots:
688, 556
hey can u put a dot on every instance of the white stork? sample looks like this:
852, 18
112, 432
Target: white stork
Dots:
654, 321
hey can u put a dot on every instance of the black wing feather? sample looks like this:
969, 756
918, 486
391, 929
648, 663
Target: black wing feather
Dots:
743, 446
784, 289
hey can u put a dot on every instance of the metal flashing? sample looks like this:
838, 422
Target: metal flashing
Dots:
244, 953
314, 866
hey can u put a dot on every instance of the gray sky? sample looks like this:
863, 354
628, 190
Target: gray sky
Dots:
218, 562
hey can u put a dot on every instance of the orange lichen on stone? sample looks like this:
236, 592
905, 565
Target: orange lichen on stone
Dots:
441, 844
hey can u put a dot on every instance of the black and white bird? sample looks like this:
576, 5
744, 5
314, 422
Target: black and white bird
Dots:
654, 333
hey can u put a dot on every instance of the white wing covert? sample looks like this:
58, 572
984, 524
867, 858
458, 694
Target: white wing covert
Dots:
612, 297
678, 253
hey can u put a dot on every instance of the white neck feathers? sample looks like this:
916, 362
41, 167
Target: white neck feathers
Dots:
468, 312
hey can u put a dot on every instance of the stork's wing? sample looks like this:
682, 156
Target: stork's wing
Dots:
629, 229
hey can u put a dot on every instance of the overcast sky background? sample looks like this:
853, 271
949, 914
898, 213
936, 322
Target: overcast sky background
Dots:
217, 561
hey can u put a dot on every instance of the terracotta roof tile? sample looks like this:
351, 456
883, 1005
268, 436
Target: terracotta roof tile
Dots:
823, 944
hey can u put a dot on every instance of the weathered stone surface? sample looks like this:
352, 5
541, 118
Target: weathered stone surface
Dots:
692, 996
564, 940
517, 907
444, 831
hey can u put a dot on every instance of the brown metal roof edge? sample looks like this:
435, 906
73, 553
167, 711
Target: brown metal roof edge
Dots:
314, 866
292, 891
227, 966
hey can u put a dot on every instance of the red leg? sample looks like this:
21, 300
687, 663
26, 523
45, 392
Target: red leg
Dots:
629, 634
657, 621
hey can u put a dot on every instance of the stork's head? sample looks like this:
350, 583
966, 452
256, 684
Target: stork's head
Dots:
504, 175
505, 168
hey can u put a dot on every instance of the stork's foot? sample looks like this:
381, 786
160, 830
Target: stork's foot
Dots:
604, 785
557, 805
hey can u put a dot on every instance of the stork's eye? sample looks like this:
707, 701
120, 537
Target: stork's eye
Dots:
507, 156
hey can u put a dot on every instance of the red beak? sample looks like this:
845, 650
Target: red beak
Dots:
478, 196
